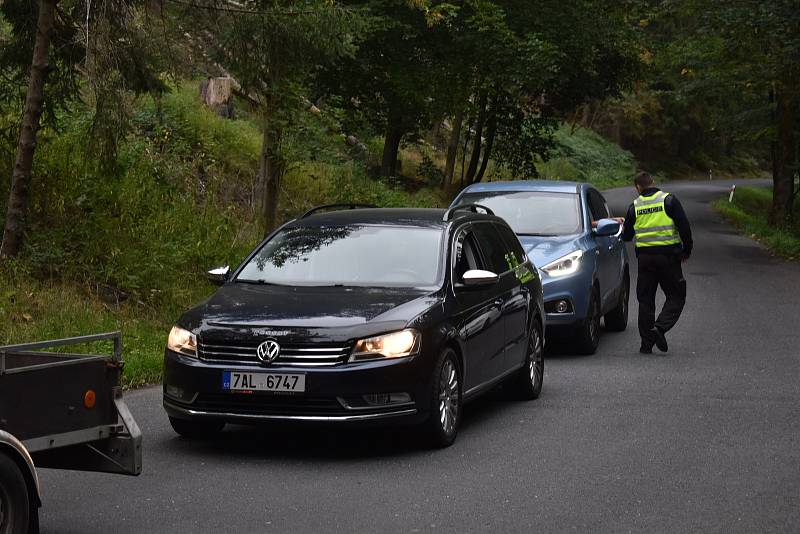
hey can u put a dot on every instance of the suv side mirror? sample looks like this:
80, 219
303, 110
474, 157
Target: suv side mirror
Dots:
606, 228
219, 275
478, 277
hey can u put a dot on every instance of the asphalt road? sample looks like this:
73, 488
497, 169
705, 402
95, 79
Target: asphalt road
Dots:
705, 438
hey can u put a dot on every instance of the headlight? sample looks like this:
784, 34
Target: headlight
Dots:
394, 345
568, 264
182, 341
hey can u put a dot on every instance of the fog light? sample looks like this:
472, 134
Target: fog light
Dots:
377, 399
383, 399
562, 306
175, 392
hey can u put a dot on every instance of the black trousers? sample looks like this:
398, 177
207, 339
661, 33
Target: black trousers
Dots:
659, 270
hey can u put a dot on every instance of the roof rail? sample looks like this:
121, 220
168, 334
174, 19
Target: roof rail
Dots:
350, 206
471, 207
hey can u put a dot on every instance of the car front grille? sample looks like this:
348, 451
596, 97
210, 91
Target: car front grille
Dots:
296, 355
261, 404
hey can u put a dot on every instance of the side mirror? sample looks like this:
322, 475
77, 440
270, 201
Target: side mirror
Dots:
477, 277
606, 228
219, 275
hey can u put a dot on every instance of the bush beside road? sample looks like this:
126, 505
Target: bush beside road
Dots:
748, 212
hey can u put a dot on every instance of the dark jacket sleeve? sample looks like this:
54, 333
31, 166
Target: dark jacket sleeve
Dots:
627, 227
675, 211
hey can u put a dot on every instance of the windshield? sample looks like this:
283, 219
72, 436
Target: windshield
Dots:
532, 212
368, 256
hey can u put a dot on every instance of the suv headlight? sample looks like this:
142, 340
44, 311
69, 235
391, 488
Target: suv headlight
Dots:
182, 341
565, 265
394, 345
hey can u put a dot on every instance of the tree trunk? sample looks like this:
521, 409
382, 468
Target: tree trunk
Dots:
452, 148
270, 172
34, 101
784, 157
391, 146
478, 139
487, 152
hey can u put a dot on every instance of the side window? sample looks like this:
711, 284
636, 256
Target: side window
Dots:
511, 241
606, 209
465, 256
492, 246
597, 206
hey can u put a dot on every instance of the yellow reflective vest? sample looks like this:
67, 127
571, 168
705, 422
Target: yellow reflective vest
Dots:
653, 227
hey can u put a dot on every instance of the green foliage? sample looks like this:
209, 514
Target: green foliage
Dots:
749, 213
149, 230
32, 310
428, 170
585, 156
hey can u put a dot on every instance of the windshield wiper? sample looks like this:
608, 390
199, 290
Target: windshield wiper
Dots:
256, 282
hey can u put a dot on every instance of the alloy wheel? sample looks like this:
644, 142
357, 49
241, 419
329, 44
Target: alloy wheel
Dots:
594, 323
535, 361
448, 397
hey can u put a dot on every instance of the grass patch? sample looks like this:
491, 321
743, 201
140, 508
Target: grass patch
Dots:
749, 211
583, 155
32, 310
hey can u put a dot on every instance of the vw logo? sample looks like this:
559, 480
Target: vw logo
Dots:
268, 351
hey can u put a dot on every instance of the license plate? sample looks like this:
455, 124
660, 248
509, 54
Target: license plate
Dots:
239, 381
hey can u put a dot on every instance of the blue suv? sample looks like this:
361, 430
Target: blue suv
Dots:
567, 231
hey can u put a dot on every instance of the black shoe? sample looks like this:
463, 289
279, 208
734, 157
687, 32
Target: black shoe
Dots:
660, 340
644, 349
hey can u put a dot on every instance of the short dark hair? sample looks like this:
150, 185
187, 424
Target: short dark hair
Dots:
643, 180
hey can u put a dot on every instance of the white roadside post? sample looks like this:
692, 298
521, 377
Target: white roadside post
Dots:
733, 190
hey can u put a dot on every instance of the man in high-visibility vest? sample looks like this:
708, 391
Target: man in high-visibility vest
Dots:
663, 236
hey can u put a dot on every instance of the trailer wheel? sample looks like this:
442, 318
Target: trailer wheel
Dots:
14, 503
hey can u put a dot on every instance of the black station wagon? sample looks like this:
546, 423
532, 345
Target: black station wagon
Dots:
360, 315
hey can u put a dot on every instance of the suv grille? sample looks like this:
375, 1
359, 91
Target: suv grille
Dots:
301, 355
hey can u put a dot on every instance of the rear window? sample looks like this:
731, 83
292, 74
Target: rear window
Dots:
533, 212
355, 255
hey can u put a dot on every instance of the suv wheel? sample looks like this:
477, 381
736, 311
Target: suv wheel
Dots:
445, 401
526, 384
14, 501
617, 319
588, 334
196, 429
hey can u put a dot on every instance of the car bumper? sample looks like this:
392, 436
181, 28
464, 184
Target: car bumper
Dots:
575, 289
193, 390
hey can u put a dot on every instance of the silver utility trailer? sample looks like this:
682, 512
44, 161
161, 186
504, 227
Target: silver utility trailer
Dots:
60, 410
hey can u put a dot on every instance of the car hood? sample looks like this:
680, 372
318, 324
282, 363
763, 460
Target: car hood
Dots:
301, 310
544, 249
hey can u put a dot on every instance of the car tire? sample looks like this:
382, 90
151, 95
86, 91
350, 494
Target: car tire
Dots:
617, 319
196, 429
526, 384
441, 427
15, 505
588, 333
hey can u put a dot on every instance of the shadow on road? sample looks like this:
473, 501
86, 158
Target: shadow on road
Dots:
285, 441
561, 347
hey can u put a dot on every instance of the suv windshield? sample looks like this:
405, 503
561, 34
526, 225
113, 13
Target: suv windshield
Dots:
532, 212
357, 255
